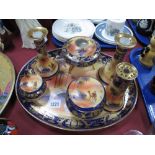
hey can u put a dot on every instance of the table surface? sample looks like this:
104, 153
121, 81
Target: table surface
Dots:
27, 125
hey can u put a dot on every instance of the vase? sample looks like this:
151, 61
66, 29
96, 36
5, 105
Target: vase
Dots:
115, 91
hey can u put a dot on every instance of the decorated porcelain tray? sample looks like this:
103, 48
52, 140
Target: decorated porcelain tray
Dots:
51, 108
7, 80
144, 77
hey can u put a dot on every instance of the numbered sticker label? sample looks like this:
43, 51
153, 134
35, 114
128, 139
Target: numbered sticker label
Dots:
55, 103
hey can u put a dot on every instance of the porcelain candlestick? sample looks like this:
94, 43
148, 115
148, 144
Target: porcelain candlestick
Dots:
123, 42
44, 65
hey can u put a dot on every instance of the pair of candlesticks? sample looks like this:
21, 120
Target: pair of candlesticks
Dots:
116, 74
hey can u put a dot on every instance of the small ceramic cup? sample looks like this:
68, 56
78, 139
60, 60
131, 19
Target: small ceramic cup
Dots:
32, 86
114, 26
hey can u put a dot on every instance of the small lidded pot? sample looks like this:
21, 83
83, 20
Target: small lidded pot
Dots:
125, 73
85, 97
31, 85
81, 51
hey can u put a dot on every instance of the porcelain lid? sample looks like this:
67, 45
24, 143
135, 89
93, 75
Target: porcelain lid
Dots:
86, 92
126, 71
81, 46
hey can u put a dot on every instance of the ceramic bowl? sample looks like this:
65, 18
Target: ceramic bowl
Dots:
32, 86
85, 97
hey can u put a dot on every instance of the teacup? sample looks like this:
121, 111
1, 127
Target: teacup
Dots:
114, 26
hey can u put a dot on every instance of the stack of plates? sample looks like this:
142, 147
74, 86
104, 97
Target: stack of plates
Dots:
64, 29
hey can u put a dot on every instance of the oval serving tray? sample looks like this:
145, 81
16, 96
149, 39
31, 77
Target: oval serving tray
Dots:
7, 80
52, 109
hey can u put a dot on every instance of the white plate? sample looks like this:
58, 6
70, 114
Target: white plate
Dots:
101, 34
64, 29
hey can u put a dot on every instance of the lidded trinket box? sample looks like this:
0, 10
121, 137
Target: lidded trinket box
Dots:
81, 51
32, 85
83, 100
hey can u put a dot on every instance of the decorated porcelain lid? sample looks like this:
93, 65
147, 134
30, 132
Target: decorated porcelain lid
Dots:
86, 92
126, 71
30, 83
81, 46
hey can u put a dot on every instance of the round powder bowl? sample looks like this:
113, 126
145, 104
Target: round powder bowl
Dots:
85, 97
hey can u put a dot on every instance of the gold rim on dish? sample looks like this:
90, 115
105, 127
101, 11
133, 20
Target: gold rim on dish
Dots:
129, 40
38, 29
